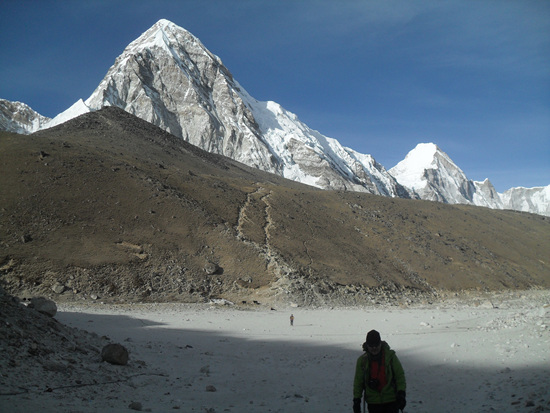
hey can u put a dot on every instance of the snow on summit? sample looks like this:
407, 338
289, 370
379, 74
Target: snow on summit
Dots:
410, 171
168, 36
432, 175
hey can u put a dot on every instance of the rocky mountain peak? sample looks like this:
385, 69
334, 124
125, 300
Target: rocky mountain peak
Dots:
20, 118
421, 165
431, 174
424, 156
170, 79
172, 38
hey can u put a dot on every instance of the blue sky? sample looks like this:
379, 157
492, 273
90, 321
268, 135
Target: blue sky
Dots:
472, 76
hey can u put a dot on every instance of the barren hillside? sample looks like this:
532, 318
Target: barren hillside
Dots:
109, 206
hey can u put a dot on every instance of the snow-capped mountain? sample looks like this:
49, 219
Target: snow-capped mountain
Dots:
169, 78
432, 175
429, 173
20, 118
535, 200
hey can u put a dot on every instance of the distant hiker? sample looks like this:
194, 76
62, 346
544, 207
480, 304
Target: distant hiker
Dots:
291, 319
380, 377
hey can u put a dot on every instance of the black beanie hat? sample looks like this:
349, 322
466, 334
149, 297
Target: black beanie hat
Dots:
373, 338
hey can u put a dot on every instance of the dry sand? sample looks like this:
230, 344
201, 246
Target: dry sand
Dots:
477, 356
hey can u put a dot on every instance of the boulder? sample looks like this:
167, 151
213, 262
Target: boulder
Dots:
44, 306
115, 354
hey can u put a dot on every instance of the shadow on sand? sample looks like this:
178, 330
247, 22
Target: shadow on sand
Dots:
276, 371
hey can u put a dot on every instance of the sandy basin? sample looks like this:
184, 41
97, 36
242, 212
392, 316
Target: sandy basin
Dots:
458, 357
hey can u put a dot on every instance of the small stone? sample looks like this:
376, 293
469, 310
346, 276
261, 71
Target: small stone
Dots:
486, 304
210, 388
136, 406
58, 288
211, 268
26, 238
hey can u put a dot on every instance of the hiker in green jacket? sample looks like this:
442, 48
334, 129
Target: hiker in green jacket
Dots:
380, 376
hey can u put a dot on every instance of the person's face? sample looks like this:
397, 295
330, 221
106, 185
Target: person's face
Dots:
374, 350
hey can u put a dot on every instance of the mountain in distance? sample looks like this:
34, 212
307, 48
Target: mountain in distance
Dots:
535, 200
430, 174
168, 78
20, 118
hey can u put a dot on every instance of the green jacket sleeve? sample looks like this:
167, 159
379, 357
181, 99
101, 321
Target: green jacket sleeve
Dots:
359, 379
399, 374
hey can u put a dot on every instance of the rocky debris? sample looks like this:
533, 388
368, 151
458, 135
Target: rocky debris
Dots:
318, 292
115, 353
39, 354
44, 306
